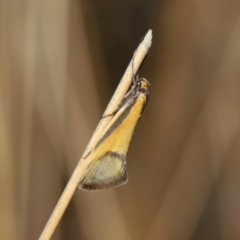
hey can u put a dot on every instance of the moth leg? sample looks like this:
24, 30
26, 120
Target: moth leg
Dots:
110, 114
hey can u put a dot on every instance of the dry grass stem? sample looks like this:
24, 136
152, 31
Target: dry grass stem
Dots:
71, 187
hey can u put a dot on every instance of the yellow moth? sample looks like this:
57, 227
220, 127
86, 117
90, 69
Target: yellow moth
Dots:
107, 160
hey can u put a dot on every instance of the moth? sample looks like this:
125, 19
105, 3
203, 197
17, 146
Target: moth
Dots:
107, 166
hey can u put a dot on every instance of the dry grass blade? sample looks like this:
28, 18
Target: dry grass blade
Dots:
79, 170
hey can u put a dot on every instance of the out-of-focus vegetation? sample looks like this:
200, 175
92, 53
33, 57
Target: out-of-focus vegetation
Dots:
60, 62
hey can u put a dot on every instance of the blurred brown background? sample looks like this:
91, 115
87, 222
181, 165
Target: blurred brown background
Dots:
60, 62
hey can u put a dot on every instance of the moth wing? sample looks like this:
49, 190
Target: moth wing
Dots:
107, 164
109, 171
